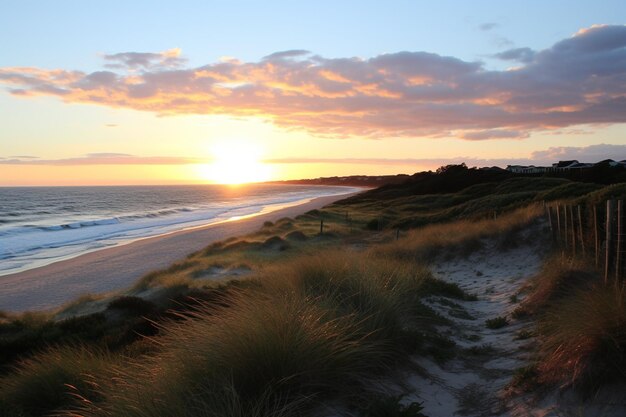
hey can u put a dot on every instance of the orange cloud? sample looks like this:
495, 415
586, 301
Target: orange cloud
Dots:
579, 80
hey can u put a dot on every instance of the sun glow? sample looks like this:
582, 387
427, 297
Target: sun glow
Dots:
235, 162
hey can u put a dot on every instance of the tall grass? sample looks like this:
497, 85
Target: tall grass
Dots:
559, 277
581, 325
263, 354
49, 380
584, 338
317, 327
459, 237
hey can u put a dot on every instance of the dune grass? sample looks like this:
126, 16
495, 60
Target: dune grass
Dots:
581, 326
311, 327
559, 276
318, 327
584, 338
50, 380
460, 237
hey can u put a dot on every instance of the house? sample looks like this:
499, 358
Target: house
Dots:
610, 162
521, 169
580, 165
564, 164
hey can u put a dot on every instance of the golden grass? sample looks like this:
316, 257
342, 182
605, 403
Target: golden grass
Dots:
583, 338
559, 277
581, 325
50, 380
460, 237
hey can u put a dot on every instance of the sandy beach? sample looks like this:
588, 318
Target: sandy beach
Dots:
119, 267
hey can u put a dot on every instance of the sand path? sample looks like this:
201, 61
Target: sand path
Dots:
119, 267
474, 382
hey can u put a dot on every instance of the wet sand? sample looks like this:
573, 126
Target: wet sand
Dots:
119, 267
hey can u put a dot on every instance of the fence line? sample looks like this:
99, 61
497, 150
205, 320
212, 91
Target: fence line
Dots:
596, 231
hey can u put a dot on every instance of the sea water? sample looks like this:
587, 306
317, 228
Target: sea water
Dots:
41, 225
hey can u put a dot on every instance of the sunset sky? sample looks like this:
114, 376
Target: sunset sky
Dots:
156, 92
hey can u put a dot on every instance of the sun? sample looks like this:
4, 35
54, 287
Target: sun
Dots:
235, 162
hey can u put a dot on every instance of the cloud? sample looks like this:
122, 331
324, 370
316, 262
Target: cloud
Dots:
488, 26
579, 80
126, 159
170, 58
525, 55
592, 153
494, 134
293, 53
104, 158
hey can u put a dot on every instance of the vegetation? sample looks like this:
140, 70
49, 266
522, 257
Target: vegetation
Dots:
581, 325
497, 322
268, 324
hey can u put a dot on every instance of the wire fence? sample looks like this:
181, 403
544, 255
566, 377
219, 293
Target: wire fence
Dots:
591, 231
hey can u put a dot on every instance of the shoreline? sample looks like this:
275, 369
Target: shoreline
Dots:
115, 268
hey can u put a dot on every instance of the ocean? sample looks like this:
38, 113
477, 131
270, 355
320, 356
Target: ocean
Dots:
42, 225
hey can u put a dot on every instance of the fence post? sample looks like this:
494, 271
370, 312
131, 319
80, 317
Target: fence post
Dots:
566, 224
618, 249
550, 221
558, 222
609, 238
397, 233
322, 227
580, 229
572, 224
596, 237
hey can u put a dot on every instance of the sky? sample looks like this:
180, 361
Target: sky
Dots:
163, 92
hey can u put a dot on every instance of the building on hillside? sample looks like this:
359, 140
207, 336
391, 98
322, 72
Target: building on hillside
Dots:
562, 166
531, 169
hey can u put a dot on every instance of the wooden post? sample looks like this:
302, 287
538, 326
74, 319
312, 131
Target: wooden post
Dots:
609, 239
558, 222
573, 229
566, 224
550, 221
618, 245
596, 236
322, 227
581, 236
397, 233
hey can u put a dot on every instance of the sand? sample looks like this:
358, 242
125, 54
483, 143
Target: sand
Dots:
116, 268
476, 383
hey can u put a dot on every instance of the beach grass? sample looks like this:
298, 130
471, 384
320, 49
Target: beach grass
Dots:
581, 325
583, 338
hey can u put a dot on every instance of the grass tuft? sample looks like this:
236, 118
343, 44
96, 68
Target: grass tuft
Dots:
583, 338
497, 322
48, 381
